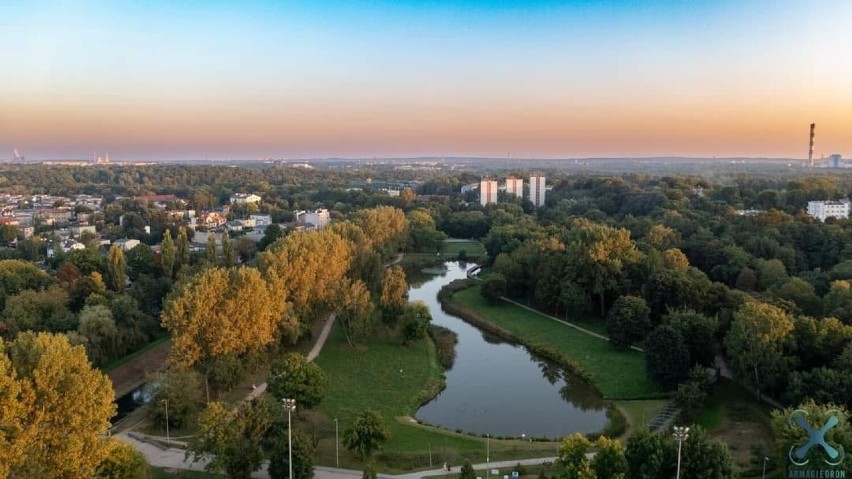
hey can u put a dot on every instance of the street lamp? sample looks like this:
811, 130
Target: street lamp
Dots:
764, 467
488, 455
290, 406
680, 434
166, 401
336, 445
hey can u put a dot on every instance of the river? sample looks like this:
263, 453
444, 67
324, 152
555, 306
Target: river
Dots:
500, 388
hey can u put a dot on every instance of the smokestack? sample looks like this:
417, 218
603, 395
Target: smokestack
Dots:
811, 149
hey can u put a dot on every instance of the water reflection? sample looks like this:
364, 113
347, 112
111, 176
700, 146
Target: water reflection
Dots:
499, 388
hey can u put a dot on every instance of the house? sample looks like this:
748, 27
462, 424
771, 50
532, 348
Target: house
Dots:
319, 218
213, 220
244, 198
51, 216
235, 225
7, 221
829, 209
71, 245
261, 220
126, 244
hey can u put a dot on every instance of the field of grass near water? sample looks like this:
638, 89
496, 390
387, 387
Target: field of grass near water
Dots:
394, 380
617, 374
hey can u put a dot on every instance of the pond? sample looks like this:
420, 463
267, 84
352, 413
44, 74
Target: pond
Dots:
500, 388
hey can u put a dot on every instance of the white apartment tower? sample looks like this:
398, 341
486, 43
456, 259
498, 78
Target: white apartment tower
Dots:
515, 186
537, 191
487, 192
829, 209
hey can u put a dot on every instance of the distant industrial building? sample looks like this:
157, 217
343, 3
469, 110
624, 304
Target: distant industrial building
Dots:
515, 186
537, 189
487, 192
829, 209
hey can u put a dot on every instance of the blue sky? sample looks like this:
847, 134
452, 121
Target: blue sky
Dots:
318, 78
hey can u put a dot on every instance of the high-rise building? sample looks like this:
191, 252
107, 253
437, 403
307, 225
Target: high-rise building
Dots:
537, 191
515, 186
487, 192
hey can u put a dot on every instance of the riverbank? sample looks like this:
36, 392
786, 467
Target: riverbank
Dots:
617, 374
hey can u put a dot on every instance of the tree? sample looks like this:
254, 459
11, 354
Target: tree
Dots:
628, 321
698, 332
394, 294
116, 269
572, 453
271, 234
60, 407
307, 269
385, 226
366, 434
141, 260
703, 457
228, 256
609, 461
182, 248
211, 316
98, 327
355, 310
416, 320
210, 251
67, 273
294, 377
493, 287
666, 357
303, 458
648, 456
755, 343
17, 275
168, 255
181, 388
246, 249
467, 471
123, 462
38, 311
231, 439
692, 393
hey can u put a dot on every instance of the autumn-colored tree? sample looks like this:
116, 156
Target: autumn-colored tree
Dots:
182, 247
67, 273
355, 310
224, 311
116, 269
123, 462
167, 254
228, 257
394, 295
385, 226
210, 251
307, 269
755, 343
58, 407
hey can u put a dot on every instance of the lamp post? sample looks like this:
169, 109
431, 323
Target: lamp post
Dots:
336, 445
290, 406
166, 402
680, 434
764, 467
488, 455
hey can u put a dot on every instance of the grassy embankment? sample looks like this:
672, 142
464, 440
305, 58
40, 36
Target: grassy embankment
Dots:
618, 375
395, 380
449, 251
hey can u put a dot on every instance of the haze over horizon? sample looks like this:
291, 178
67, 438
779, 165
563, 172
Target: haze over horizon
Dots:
405, 78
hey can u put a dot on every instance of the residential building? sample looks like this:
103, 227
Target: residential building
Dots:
261, 220
319, 218
515, 186
487, 192
76, 231
213, 220
7, 221
537, 189
244, 198
126, 244
829, 209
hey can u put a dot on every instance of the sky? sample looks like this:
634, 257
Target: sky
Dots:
527, 79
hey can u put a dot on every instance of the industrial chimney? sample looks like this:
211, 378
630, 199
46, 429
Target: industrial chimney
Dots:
811, 149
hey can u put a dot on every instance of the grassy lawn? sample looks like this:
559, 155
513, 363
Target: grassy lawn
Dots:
394, 379
617, 374
734, 416
123, 360
472, 248
641, 411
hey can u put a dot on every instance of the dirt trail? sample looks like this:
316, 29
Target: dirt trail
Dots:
132, 374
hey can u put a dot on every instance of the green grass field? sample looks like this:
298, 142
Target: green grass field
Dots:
394, 379
617, 374
471, 248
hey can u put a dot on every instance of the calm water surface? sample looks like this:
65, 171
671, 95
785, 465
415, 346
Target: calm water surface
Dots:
501, 389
